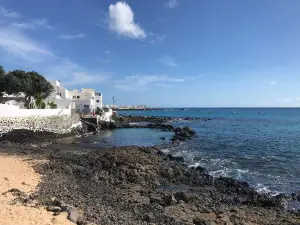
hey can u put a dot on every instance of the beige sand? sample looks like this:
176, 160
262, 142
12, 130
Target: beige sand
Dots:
17, 172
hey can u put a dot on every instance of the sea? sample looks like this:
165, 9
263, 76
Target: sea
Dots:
258, 145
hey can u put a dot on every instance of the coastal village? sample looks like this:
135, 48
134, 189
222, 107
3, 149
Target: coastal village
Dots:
47, 176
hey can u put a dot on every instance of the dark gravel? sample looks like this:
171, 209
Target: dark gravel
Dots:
135, 185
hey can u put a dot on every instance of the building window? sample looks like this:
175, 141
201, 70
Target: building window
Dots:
78, 97
97, 101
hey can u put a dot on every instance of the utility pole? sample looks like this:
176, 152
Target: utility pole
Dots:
114, 100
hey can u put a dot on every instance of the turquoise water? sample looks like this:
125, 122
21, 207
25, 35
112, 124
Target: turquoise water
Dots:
128, 136
260, 146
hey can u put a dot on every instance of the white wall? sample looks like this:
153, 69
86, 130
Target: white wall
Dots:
106, 116
15, 111
100, 103
63, 103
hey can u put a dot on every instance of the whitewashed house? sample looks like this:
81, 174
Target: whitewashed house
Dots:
60, 96
87, 100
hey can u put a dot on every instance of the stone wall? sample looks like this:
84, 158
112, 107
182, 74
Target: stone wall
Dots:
56, 124
51, 120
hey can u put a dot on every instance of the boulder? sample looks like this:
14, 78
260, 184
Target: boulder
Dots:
198, 221
170, 200
157, 200
53, 209
73, 215
181, 196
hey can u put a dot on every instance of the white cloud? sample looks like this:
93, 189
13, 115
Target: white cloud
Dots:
21, 50
43, 23
169, 61
18, 44
23, 25
85, 78
273, 82
144, 82
72, 36
171, 4
121, 20
8, 13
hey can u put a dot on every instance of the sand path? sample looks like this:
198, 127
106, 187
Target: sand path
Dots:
17, 172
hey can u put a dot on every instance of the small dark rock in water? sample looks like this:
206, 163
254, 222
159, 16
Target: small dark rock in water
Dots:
200, 169
175, 158
163, 138
160, 153
230, 185
296, 196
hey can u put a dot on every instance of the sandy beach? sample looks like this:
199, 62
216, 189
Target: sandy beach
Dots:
16, 172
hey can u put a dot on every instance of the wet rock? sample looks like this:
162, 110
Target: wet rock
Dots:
160, 153
199, 169
162, 138
296, 196
229, 185
175, 158
175, 142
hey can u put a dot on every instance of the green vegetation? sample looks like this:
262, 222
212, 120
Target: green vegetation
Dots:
52, 105
32, 84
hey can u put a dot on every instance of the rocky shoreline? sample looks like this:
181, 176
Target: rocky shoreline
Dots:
137, 185
140, 185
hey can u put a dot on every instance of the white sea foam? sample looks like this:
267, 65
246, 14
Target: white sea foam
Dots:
194, 165
165, 150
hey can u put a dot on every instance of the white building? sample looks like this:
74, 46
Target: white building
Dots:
60, 96
87, 100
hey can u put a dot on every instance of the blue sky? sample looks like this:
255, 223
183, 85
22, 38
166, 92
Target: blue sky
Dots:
160, 52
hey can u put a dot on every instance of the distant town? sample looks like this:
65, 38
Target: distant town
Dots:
127, 107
